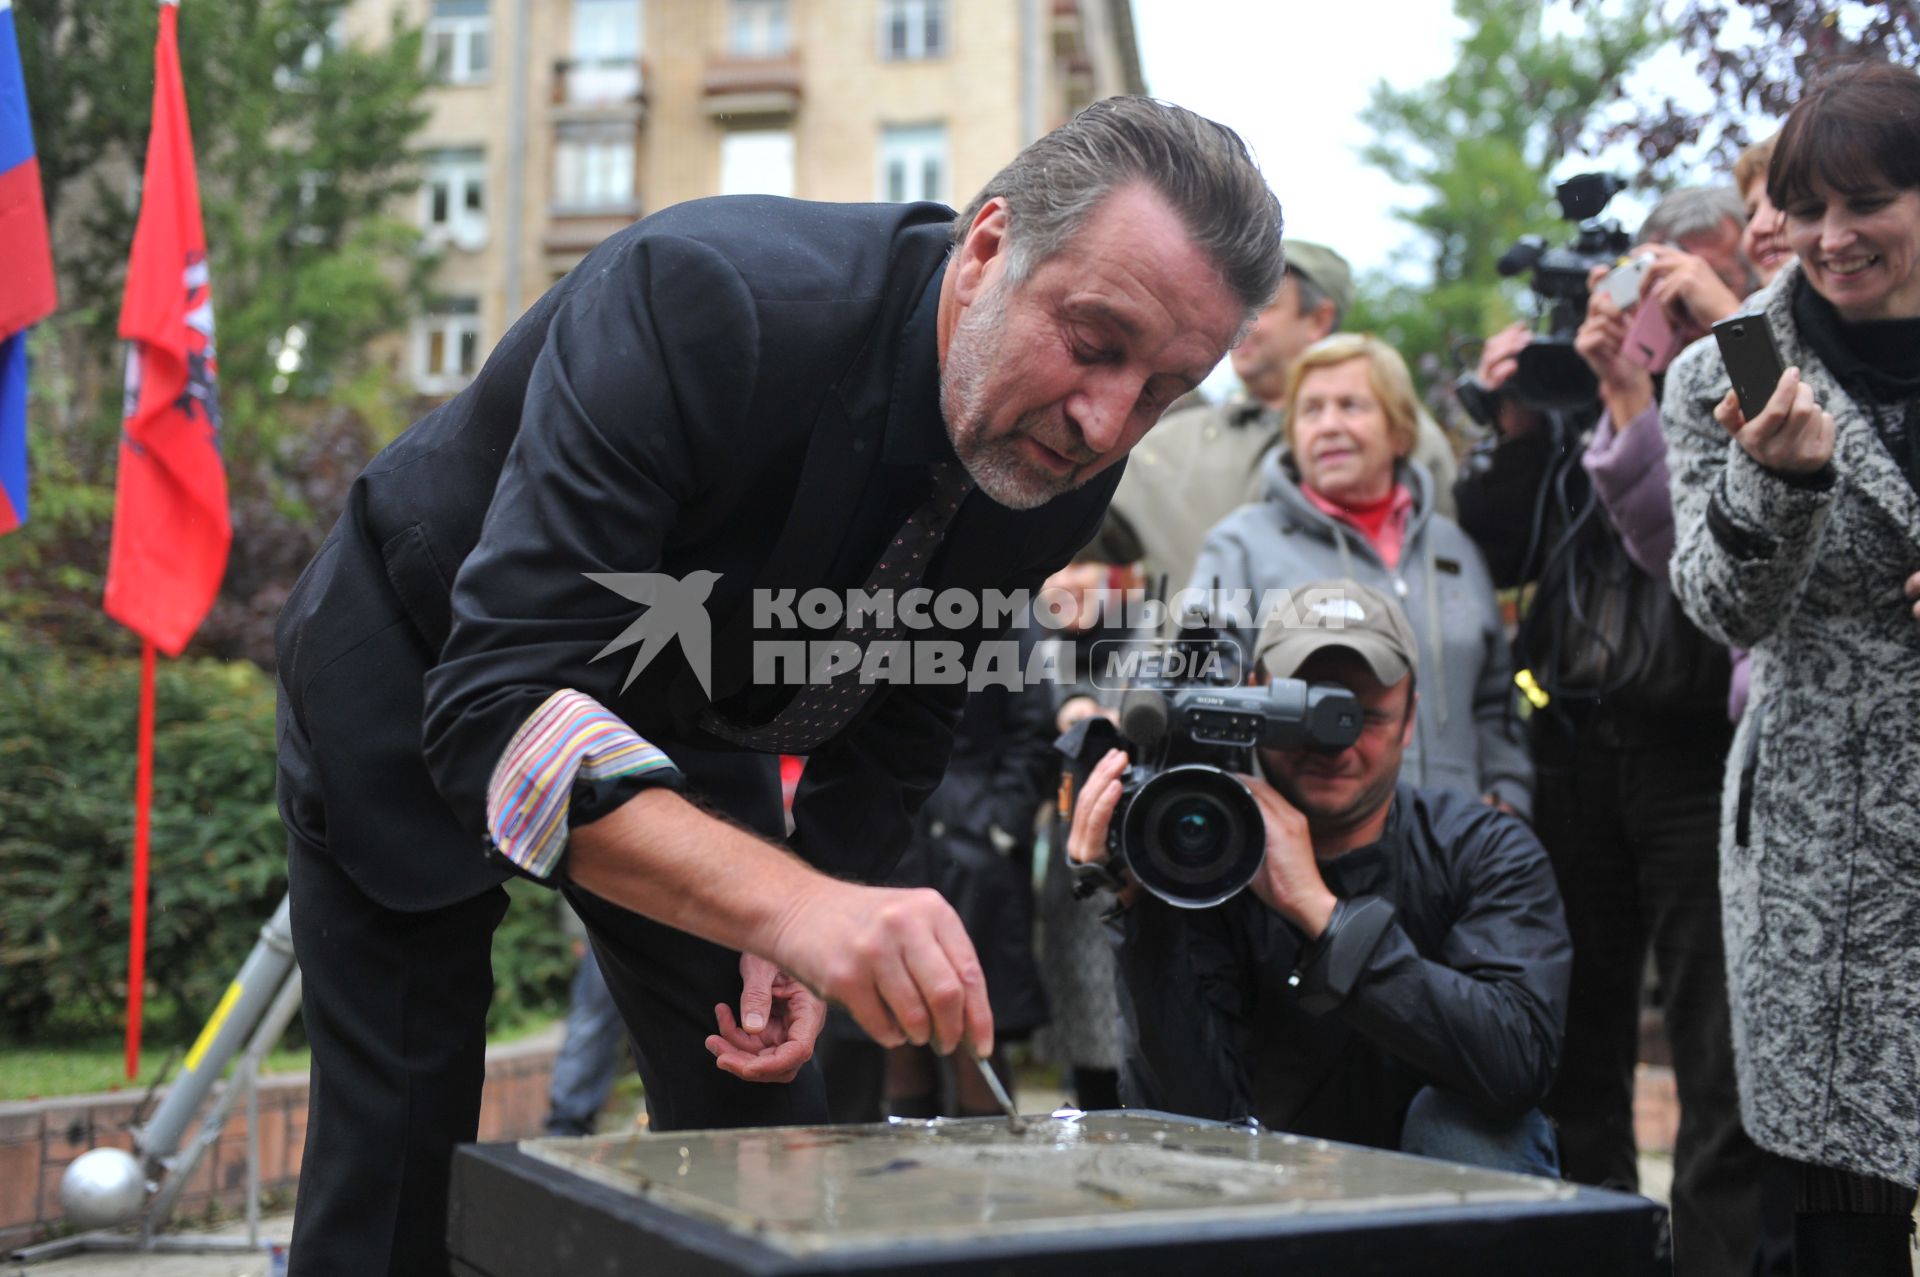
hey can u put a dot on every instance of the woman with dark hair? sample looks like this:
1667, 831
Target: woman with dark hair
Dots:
1798, 536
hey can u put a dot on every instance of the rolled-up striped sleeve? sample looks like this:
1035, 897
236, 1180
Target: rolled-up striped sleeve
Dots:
571, 740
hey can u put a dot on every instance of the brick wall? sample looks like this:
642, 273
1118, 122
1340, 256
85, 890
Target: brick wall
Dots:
38, 1138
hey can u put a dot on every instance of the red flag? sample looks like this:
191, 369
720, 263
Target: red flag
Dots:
170, 526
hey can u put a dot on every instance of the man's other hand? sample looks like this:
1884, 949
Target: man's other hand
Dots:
897, 959
779, 1020
1499, 360
1289, 881
1093, 809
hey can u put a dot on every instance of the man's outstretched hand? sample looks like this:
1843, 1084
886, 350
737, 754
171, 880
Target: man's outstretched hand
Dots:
897, 959
780, 1019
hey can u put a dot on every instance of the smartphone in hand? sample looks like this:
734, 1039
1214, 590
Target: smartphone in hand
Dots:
1752, 360
1622, 283
1651, 340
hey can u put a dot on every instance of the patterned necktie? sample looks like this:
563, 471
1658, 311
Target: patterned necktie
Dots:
819, 710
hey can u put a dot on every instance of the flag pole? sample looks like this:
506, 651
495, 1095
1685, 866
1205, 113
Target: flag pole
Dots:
142, 813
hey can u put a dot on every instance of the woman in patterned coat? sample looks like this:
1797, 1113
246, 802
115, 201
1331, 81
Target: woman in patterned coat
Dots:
1798, 535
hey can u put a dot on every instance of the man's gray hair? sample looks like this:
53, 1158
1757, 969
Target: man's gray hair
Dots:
1201, 168
1691, 210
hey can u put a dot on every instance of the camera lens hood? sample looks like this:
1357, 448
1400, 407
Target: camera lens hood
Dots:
1193, 835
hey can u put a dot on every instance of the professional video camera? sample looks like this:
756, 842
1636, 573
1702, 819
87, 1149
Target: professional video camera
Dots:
1186, 828
1551, 375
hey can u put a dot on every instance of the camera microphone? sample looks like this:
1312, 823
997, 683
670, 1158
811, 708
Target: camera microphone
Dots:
1143, 717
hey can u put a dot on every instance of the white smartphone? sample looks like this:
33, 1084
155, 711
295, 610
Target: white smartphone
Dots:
1622, 283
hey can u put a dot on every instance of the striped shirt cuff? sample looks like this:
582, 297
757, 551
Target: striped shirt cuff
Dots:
570, 738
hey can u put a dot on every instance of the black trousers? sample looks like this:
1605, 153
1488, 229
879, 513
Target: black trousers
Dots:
395, 1007
1632, 828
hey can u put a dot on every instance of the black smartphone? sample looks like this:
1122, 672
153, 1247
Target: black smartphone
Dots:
1752, 360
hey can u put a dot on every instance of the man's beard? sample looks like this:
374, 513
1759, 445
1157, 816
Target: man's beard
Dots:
996, 464
1325, 821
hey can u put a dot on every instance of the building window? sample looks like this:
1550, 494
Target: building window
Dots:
453, 198
593, 167
298, 73
757, 162
913, 29
913, 163
759, 28
605, 62
446, 345
459, 41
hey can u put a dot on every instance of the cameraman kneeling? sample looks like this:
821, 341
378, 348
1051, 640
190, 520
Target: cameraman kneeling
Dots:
1396, 977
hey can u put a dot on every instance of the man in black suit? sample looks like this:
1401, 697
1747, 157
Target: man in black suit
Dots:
740, 399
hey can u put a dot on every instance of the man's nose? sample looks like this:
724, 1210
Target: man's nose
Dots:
1100, 411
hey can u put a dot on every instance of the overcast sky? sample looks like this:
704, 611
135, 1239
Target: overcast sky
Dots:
1291, 76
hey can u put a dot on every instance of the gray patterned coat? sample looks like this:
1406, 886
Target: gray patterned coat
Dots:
1820, 833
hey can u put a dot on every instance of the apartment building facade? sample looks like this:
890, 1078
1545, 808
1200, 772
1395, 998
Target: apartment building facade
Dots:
556, 122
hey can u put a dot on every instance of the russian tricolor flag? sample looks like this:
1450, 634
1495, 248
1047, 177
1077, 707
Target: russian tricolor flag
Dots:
26, 271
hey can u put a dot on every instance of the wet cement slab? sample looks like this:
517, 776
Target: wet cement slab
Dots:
1106, 1193
812, 1189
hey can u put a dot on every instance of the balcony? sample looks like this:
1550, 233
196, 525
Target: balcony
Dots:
599, 89
570, 236
763, 88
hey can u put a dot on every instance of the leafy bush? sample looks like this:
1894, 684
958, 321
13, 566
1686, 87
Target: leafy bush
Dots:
67, 747
533, 959
67, 752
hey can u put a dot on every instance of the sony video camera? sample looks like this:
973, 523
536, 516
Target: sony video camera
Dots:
1551, 375
1186, 828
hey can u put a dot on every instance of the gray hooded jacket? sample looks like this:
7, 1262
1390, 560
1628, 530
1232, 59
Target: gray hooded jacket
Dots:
1467, 735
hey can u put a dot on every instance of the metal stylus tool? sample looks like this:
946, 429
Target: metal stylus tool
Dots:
1015, 1122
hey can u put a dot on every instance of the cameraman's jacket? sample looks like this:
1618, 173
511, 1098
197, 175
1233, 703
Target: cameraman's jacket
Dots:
1466, 735
1465, 988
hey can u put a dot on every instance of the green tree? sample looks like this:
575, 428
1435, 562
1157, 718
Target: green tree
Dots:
303, 149
1482, 142
1759, 55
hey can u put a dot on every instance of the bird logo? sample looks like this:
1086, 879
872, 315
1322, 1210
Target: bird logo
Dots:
676, 607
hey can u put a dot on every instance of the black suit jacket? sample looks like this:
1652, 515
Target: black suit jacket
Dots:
743, 385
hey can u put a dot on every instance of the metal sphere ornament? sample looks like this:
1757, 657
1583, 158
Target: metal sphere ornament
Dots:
103, 1187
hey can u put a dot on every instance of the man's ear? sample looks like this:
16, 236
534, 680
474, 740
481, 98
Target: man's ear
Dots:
1406, 728
985, 243
1322, 318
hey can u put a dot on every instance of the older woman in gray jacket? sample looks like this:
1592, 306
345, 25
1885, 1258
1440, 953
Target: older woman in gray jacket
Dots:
1343, 500
1798, 535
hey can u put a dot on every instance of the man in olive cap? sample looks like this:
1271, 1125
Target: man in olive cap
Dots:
1397, 974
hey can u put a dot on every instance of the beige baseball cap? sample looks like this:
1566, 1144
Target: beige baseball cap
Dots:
1327, 269
1339, 613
